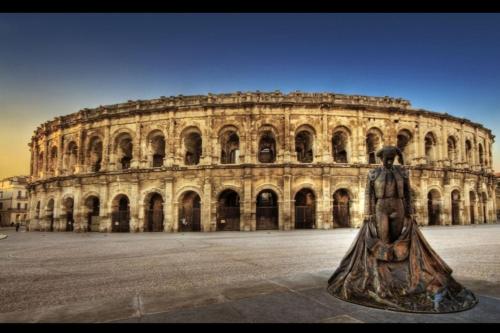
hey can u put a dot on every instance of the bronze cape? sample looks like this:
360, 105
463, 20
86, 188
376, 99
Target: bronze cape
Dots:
406, 275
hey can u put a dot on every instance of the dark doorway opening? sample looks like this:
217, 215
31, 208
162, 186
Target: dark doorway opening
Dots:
189, 212
267, 211
228, 211
305, 209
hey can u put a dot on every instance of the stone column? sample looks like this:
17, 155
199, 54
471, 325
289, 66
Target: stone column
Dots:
359, 155
286, 131
285, 220
107, 163
136, 149
134, 205
60, 157
447, 205
325, 141
104, 208
206, 222
326, 202
168, 207
170, 140
248, 221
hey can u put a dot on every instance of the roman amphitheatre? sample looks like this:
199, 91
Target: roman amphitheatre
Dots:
251, 161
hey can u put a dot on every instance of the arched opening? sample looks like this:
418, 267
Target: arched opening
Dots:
472, 207
267, 147
305, 209
156, 144
193, 148
267, 210
189, 212
373, 143
53, 160
71, 157
304, 146
228, 211
230, 147
340, 140
430, 148
452, 149
481, 154
68, 209
484, 204
433, 207
92, 207
341, 209
404, 143
154, 213
468, 152
94, 154
37, 210
121, 214
50, 214
40, 164
123, 151
455, 207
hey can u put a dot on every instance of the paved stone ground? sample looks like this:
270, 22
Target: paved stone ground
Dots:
217, 277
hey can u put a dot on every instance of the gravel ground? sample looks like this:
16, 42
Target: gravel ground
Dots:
41, 269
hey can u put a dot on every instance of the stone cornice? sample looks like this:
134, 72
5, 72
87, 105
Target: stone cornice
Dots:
240, 99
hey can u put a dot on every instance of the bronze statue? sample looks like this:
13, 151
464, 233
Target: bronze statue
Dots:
390, 265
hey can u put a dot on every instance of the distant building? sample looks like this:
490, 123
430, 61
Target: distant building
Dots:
13, 200
497, 194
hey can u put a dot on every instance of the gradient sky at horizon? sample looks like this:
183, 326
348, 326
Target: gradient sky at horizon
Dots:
56, 64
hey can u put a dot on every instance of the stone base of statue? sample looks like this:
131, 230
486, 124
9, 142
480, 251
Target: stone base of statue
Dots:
405, 275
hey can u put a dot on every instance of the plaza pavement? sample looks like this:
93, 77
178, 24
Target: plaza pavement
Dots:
264, 276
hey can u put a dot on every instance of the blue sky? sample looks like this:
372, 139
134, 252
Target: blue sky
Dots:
55, 64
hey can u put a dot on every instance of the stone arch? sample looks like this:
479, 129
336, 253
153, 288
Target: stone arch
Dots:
71, 156
342, 203
267, 209
272, 187
153, 211
53, 158
305, 138
228, 210
187, 188
50, 212
94, 153
68, 206
192, 145
91, 203
480, 151
123, 149
120, 213
267, 148
456, 203
156, 148
374, 140
472, 206
430, 146
484, 206
305, 200
468, 152
341, 142
229, 144
189, 211
452, 148
434, 206
404, 141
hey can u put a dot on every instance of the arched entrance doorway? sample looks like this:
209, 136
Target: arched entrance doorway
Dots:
50, 214
455, 207
472, 207
189, 212
154, 213
305, 212
433, 207
484, 204
68, 207
341, 209
267, 210
228, 211
121, 214
92, 213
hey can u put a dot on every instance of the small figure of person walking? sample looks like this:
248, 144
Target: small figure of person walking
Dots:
17, 226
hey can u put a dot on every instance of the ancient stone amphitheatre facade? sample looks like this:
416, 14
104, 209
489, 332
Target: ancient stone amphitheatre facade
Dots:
250, 161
